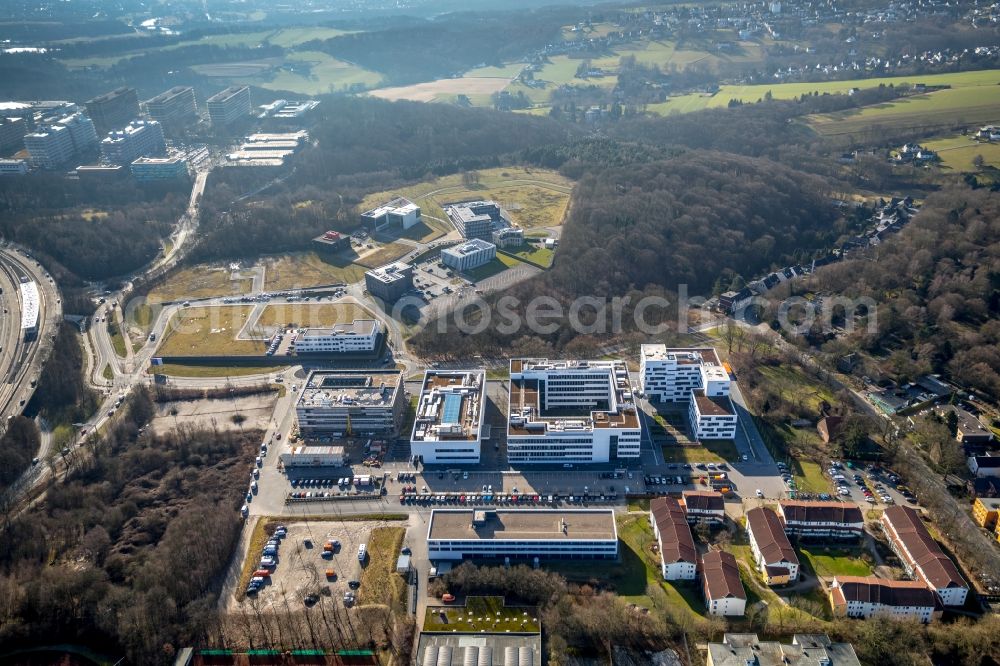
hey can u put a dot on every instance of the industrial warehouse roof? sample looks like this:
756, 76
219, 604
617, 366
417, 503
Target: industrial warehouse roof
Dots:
523, 525
479, 649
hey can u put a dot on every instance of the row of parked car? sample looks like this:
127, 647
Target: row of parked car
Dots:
268, 560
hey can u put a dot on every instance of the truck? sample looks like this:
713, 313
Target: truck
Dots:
362, 552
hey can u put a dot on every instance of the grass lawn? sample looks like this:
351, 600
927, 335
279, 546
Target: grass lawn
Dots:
178, 370
809, 477
308, 269
480, 613
957, 152
710, 451
638, 505
108, 373
317, 73
532, 197
380, 584
384, 255
208, 331
534, 253
501, 263
117, 339
311, 315
198, 282
796, 386
828, 563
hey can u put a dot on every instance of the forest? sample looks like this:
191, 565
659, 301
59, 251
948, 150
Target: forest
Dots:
97, 563
88, 231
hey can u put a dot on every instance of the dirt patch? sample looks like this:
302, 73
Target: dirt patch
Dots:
247, 413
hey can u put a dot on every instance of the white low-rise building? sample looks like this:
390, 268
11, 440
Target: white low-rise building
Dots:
360, 336
468, 255
313, 456
865, 597
448, 427
571, 412
498, 534
711, 417
721, 584
922, 556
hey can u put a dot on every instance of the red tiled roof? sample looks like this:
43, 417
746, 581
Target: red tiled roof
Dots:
721, 576
770, 536
820, 512
927, 558
676, 542
869, 589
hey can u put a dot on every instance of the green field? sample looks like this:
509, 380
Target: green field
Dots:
308, 269
809, 477
949, 101
958, 153
498, 265
482, 613
534, 253
829, 563
316, 73
796, 386
208, 331
203, 371
710, 451
532, 197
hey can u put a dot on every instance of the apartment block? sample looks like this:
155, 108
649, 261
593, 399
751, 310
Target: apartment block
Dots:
12, 131
804, 650
703, 506
346, 404
721, 584
865, 597
922, 556
359, 337
830, 520
50, 146
985, 511
448, 428
678, 556
772, 552
571, 412
229, 106
500, 534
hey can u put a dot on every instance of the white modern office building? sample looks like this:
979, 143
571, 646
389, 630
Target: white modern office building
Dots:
669, 375
571, 412
711, 417
146, 169
468, 255
448, 427
498, 534
360, 336
345, 404
399, 212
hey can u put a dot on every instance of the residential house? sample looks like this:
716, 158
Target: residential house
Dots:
721, 584
865, 597
985, 511
838, 520
829, 427
922, 556
678, 556
703, 506
772, 552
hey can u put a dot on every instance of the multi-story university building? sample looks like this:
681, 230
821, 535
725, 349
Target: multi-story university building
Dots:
174, 108
864, 597
114, 109
694, 376
358, 337
53, 145
140, 138
12, 131
230, 105
146, 169
476, 219
344, 403
448, 427
921, 555
571, 412
497, 534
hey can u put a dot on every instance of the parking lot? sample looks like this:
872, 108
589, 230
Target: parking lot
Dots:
302, 565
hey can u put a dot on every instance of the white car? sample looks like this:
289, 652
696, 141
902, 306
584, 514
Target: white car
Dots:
760, 493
